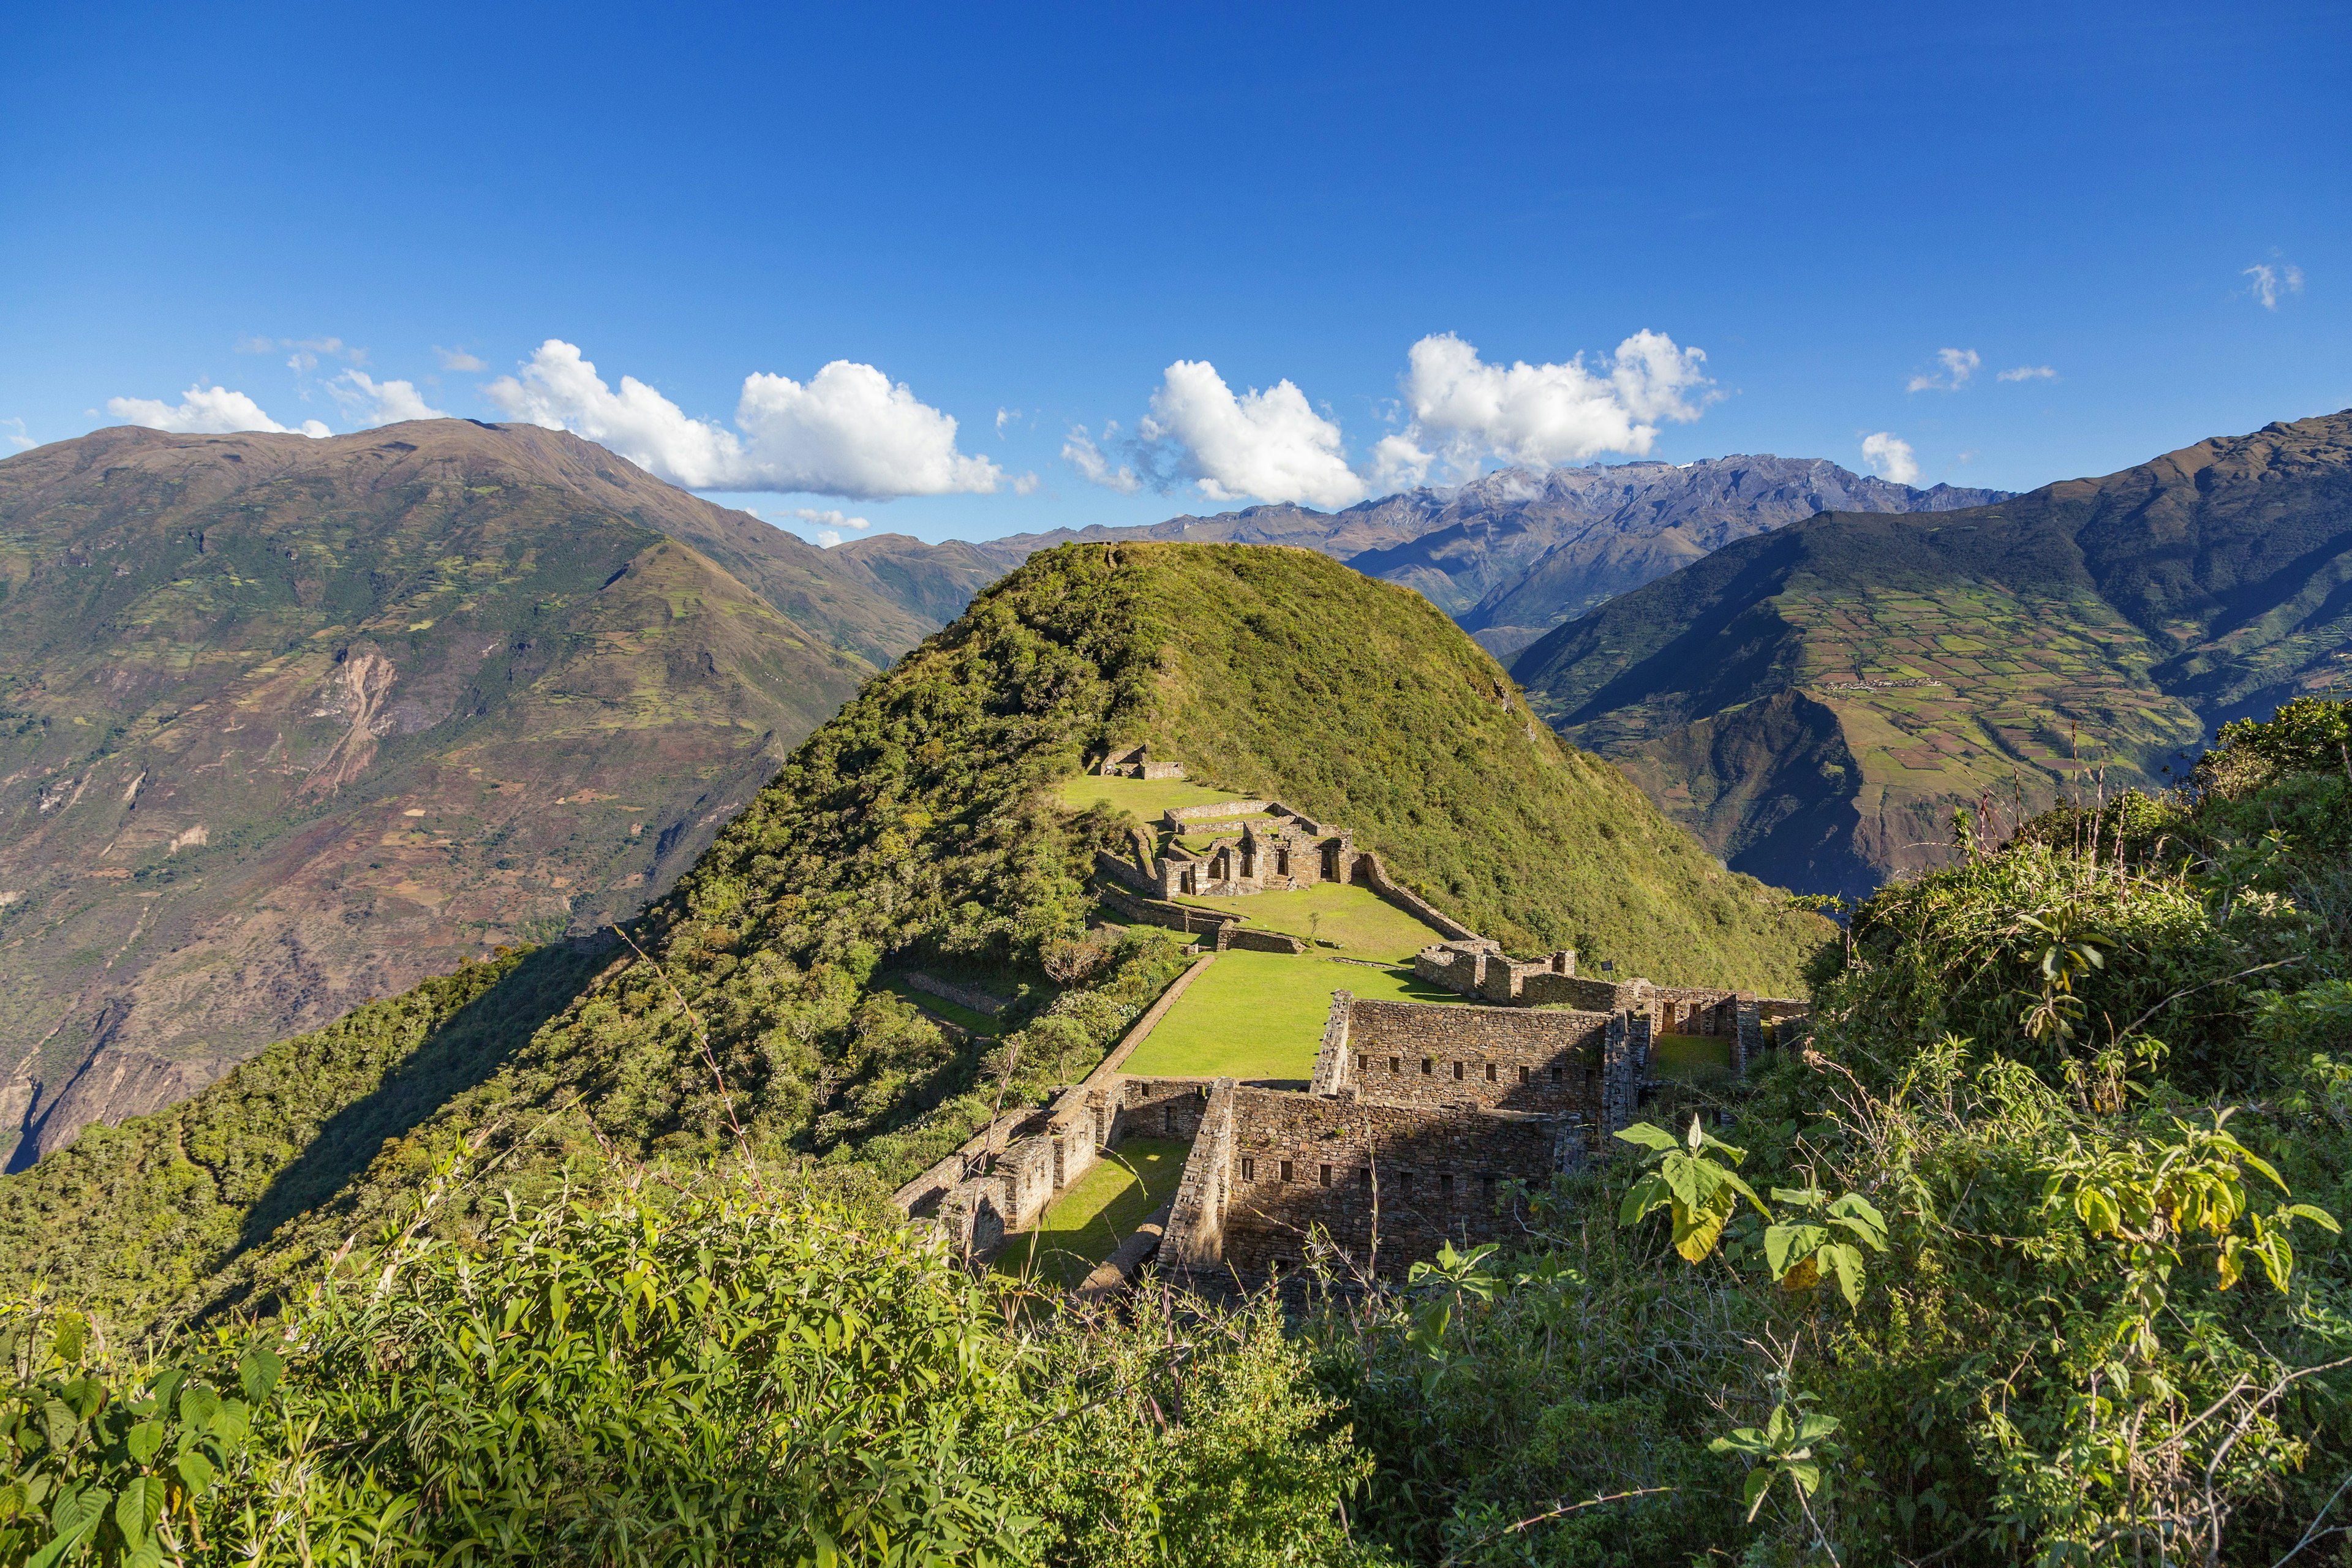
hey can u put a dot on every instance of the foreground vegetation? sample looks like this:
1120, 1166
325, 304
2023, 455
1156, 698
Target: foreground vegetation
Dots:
2027, 1255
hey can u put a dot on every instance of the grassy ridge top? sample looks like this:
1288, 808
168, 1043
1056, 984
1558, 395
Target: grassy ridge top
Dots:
924, 824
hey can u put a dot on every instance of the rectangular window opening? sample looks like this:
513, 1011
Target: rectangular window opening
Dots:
1523, 1075
1324, 1180
1457, 1072
1396, 1066
1490, 1072
1286, 1170
1249, 1169
1428, 1066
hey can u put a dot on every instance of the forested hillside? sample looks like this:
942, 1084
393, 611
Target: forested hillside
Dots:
1813, 703
922, 826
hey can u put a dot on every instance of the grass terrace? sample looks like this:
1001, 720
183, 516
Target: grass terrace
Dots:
1261, 1015
1147, 798
1355, 920
1085, 1225
1691, 1058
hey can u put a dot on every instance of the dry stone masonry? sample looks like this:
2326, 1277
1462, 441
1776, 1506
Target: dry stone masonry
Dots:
1423, 1123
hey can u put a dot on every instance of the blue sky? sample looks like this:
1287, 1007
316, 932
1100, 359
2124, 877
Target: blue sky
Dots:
1075, 217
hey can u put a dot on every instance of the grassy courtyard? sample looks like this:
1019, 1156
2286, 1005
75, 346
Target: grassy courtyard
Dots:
1355, 920
1145, 797
1085, 1225
1691, 1056
1261, 1015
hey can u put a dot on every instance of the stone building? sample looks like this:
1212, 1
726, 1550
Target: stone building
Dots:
1421, 1121
1134, 762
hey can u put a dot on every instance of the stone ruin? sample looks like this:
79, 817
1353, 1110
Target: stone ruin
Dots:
1134, 762
1424, 1123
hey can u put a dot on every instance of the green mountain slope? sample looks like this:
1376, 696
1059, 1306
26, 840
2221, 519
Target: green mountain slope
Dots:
922, 825
288, 724
1815, 701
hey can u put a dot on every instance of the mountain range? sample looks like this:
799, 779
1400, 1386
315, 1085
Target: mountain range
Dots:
1508, 555
287, 724
1815, 701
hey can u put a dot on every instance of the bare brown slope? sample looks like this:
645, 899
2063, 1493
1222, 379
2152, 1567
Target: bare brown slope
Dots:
288, 724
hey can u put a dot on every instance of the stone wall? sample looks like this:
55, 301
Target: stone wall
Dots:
1368, 869
1387, 1184
1584, 1068
948, 991
1161, 913
1259, 940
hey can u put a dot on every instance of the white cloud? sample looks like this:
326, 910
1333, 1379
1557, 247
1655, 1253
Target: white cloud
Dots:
848, 431
1006, 417
19, 437
457, 360
1270, 444
1081, 452
306, 352
2028, 372
832, 519
1890, 456
2270, 283
204, 411
1462, 411
1024, 484
1958, 365
367, 402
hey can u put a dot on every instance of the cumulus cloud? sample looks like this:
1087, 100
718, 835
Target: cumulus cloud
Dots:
848, 431
829, 524
1461, 410
2028, 372
204, 411
1890, 456
457, 360
1267, 444
367, 402
1958, 365
2270, 283
17, 436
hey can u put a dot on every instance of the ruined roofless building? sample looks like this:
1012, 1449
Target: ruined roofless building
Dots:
1421, 1121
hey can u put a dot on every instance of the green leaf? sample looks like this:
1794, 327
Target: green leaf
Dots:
148, 1553
1786, 1245
1845, 1260
145, 1440
1684, 1177
1856, 1214
138, 1508
1649, 1137
1760, 1481
2316, 1216
75, 1516
1798, 1198
1645, 1195
260, 1372
1806, 1474
73, 1331
198, 1405
196, 1471
1815, 1426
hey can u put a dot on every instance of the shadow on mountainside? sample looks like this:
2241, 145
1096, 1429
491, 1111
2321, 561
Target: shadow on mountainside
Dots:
475, 1042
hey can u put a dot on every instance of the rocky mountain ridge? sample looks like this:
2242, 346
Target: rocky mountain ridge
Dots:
1507, 555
